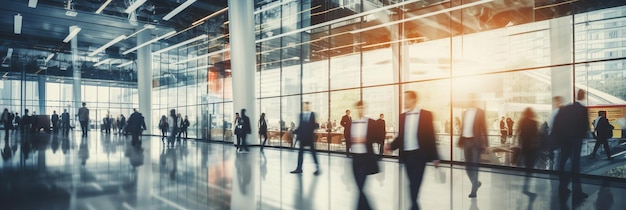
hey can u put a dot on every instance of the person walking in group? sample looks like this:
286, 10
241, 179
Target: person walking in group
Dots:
163, 127
503, 130
528, 140
381, 134
55, 121
244, 129
65, 122
6, 122
416, 141
172, 122
83, 118
346, 121
136, 124
179, 129
571, 125
603, 130
263, 130
121, 124
305, 134
473, 140
183, 128
364, 162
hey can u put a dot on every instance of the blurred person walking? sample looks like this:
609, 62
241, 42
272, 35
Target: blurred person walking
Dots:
305, 134
136, 124
65, 122
83, 118
571, 126
262, 130
364, 161
416, 142
529, 141
603, 130
473, 140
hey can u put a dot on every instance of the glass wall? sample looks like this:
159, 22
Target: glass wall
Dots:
511, 54
55, 94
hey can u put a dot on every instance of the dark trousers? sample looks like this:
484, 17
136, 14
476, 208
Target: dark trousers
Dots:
414, 164
7, 128
135, 138
183, 133
605, 143
530, 158
471, 149
264, 135
163, 133
241, 141
84, 126
571, 150
301, 152
66, 128
359, 170
55, 127
348, 143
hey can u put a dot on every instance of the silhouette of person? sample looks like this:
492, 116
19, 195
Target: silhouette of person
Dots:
346, 121
364, 161
263, 130
136, 124
65, 122
473, 140
305, 134
503, 130
417, 143
571, 125
603, 130
83, 118
528, 135
244, 130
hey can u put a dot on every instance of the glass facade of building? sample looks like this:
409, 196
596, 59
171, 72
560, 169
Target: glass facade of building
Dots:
514, 54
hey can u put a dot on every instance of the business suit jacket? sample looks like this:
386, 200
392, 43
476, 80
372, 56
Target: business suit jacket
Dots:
306, 128
346, 121
246, 124
572, 122
604, 129
380, 131
480, 128
425, 136
370, 136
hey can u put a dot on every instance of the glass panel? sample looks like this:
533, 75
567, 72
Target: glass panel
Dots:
340, 102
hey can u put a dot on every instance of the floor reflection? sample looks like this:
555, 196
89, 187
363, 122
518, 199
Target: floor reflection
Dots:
107, 172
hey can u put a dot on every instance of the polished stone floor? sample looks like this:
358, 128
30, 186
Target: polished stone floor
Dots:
101, 171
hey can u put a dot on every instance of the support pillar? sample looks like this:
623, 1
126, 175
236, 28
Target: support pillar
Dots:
243, 62
41, 86
243, 66
144, 79
76, 86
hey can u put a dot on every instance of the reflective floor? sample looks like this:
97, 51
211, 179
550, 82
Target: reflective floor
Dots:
45, 171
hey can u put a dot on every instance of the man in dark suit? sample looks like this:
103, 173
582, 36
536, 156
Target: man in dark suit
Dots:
346, 121
244, 122
306, 136
364, 161
416, 141
381, 134
473, 140
571, 125
65, 122
603, 131
55, 121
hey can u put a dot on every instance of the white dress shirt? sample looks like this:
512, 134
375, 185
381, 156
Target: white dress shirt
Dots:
468, 123
411, 123
358, 129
